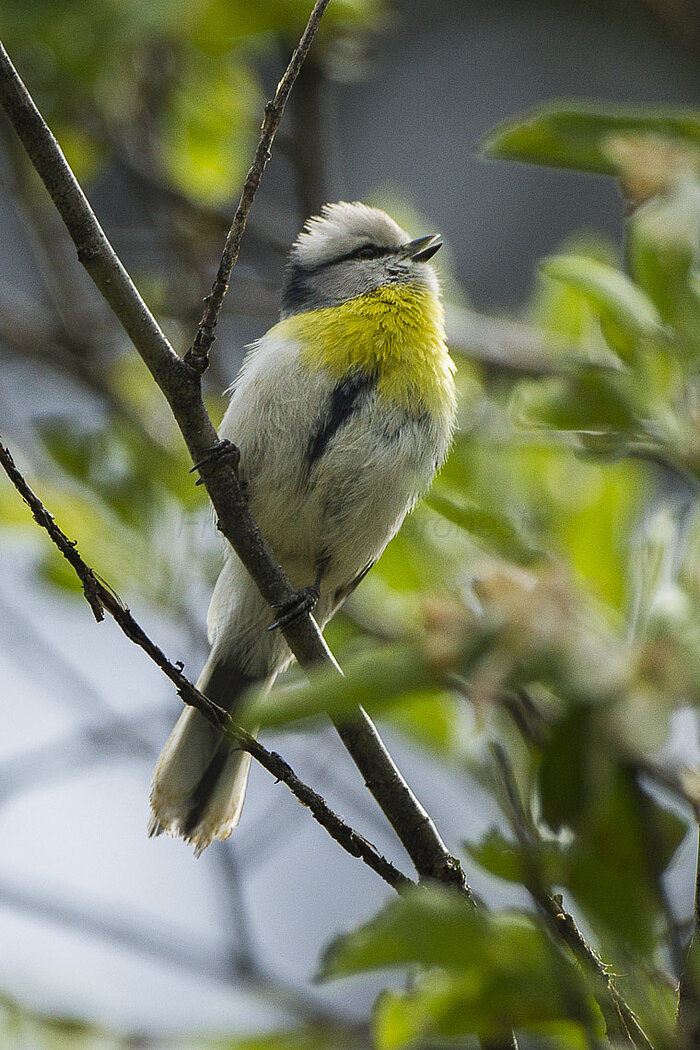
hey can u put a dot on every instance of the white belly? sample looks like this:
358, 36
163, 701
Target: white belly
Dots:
343, 508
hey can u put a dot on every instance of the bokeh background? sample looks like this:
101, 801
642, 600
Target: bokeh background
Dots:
157, 107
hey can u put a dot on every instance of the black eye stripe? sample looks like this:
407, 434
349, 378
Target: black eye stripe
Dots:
364, 251
299, 288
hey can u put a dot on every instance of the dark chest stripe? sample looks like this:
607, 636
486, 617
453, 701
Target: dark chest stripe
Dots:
343, 403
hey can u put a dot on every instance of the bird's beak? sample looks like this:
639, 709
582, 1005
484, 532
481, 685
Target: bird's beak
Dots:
423, 248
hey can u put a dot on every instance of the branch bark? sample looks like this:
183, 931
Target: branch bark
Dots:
198, 354
181, 386
620, 1020
101, 598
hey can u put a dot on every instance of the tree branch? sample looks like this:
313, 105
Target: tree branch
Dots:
101, 598
620, 1020
198, 354
181, 386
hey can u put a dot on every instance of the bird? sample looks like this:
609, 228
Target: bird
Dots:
341, 414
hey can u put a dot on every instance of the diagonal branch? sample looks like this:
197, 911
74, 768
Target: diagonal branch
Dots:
620, 1020
181, 386
101, 598
198, 355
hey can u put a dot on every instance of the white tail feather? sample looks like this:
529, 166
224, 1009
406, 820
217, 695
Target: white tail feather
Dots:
183, 801
182, 763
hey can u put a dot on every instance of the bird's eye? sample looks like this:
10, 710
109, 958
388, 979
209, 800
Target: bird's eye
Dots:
368, 251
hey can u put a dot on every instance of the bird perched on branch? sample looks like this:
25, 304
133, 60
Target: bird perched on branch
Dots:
342, 412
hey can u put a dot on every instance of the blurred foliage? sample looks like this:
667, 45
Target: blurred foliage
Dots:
546, 595
480, 974
312, 1037
550, 580
22, 1027
175, 82
589, 138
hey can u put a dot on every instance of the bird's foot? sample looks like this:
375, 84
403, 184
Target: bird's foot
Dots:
296, 605
222, 449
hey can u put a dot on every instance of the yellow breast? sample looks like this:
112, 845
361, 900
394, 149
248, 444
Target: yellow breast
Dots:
397, 333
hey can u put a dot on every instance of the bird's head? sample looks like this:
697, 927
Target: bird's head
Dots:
351, 250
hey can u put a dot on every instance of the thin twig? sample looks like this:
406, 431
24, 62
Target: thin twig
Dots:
198, 355
620, 1020
100, 598
181, 387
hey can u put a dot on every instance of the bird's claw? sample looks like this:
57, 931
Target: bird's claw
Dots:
296, 605
222, 448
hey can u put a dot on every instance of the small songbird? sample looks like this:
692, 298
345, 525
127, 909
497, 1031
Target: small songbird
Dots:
342, 413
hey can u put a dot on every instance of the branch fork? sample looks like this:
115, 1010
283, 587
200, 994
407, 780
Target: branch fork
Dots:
180, 381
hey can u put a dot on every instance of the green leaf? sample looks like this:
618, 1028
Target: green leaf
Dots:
485, 973
311, 1037
398, 1020
434, 926
567, 135
562, 309
222, 23
610, 862
22, 1026
620, 303
624, 841
430, 926
509, 861
496, 530
208, 129
690, 994
564, 778
453, 1006
377, 679
664, 255
439, 722
594, 403
595, 533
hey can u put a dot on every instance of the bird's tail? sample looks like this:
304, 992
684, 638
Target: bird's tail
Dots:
199, 783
